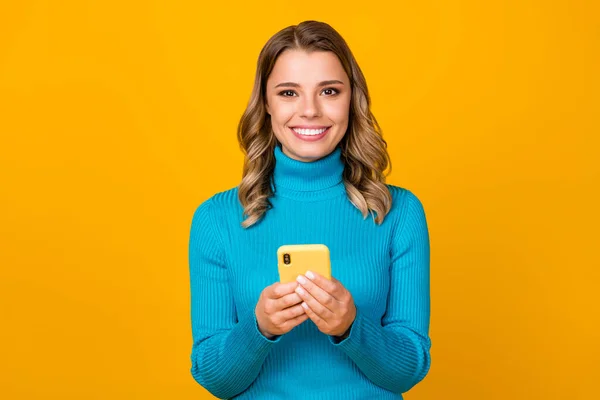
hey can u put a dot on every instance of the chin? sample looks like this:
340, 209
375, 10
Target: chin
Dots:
310, 152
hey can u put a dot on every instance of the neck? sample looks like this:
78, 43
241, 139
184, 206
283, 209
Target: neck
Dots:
322, 178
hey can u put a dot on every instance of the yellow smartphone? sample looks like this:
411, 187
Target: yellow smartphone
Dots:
296, 259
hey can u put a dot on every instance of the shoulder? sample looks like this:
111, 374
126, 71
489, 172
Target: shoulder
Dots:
406, 205
403, 198
217, 204
208, 216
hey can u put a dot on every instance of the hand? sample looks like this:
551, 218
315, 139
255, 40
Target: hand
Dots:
327, 303
277, 311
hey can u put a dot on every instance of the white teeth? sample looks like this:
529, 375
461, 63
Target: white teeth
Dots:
309, 132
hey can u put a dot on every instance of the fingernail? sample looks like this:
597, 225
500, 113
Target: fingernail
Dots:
305, 305
310, 275
301, 279
299, 291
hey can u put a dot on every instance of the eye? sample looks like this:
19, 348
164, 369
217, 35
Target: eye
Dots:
286, 91
329, 90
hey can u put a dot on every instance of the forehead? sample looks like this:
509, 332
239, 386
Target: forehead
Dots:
306, 68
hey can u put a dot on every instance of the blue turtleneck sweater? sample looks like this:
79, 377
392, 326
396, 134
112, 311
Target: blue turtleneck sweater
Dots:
385, 268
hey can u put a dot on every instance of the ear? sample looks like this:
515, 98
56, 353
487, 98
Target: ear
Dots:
267, 108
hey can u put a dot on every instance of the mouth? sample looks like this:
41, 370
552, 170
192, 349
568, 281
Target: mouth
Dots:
310, 135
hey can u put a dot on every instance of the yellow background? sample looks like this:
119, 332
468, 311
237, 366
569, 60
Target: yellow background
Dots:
117, 118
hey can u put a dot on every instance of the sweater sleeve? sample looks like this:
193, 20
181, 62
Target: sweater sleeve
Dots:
227, 354
394, 352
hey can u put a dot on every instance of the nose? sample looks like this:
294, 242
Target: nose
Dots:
309, 107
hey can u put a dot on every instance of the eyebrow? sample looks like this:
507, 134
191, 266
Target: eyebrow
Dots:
294, 84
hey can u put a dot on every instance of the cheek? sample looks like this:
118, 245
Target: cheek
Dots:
338, 112
281, 112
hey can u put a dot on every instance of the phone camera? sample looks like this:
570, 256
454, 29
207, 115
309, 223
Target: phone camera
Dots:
286, 258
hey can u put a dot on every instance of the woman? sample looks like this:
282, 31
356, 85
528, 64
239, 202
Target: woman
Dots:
313, 172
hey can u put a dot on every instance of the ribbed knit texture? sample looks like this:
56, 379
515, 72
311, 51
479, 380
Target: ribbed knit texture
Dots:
385, 267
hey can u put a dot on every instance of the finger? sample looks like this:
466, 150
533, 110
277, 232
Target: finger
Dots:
319, 294
318, 308
288, 300
290, 313
279, 290
291, 323
313, 316
333, 286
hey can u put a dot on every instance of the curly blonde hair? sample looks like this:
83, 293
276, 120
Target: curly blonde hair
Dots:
364, 151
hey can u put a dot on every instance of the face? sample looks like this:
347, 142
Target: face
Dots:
308, 99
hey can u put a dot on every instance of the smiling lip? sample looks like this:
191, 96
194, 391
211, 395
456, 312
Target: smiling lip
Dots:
310, 126
312, 138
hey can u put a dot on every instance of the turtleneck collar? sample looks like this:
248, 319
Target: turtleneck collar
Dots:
321, 178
